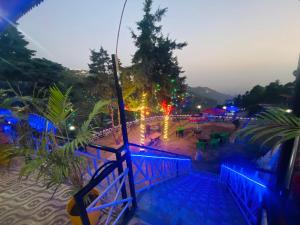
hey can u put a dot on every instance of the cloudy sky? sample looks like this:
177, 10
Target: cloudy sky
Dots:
232, 44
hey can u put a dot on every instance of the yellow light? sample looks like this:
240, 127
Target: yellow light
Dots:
142, 124
166, 127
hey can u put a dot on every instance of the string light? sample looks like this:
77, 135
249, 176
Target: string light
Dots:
72, 128
166, 126
167, 111
142, 124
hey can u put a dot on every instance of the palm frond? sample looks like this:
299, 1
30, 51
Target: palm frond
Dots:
85, 132
6, 154
59, 107
273, 126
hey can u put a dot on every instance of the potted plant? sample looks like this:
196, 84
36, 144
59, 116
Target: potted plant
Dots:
53, 162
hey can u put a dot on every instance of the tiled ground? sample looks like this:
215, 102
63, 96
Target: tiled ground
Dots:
197, 199
27, 203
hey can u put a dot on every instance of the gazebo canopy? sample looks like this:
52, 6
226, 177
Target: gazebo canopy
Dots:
12, 10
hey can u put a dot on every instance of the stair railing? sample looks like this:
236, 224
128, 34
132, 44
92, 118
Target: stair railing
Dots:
153, 166
247, 191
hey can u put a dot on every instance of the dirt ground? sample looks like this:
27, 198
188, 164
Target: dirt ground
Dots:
185, 145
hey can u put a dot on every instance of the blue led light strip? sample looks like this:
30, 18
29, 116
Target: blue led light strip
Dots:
248, 178
158, 157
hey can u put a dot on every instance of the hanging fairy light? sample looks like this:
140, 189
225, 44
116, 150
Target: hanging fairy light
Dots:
142, 124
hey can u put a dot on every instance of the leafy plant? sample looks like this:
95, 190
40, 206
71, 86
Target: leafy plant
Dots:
273, 126
52, 158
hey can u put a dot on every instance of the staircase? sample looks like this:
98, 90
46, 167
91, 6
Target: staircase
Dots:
194, 199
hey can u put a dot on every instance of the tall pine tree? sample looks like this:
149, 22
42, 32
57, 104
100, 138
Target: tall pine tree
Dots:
17, 64
100, 62
155, 57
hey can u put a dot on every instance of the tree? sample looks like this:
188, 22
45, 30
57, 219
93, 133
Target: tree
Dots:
14, 55
17, 64
100, 62
274, 94
155, 57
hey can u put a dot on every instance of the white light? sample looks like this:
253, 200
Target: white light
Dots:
72, 128
248, 178
158, 157
224, 107
289, 110
199, 106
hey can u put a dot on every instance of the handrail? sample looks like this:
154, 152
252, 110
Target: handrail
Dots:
105, 148
107, 131
102, 167
102, 147
159, 150
247, 191
244, 176
113, 150
79, 196
158, 157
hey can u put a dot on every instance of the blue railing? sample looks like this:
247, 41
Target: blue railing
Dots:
247, 190
153, 166
108, 171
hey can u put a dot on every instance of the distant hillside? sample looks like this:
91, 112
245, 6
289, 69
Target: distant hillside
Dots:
209, 93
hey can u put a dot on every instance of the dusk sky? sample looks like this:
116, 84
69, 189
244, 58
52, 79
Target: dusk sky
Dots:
232, 44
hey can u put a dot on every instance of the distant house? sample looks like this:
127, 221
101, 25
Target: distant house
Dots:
82, 73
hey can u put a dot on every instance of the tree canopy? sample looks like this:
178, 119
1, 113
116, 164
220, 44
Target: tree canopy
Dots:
273, 94
155, 58
17, 62
100, 62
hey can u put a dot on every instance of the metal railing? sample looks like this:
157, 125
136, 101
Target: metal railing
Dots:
112, 178
247, 191
117, 174
108, 131
153, 166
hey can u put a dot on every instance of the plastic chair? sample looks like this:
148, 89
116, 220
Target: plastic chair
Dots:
201, 145
224, 137
214, 142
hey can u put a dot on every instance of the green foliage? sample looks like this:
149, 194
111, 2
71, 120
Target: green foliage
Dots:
100, 62
158, 67
296, 102
85, 133
6, 154
274, 126
18, 65
59, 108
53, 161
274, 94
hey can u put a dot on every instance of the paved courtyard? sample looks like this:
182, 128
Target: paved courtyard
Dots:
28, 203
